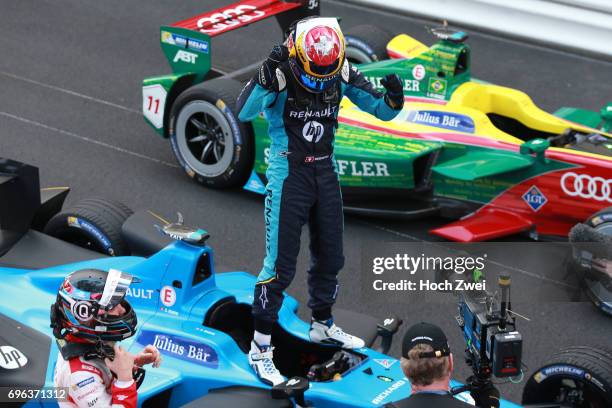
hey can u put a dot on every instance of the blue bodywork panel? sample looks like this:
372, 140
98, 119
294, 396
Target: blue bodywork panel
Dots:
171, 302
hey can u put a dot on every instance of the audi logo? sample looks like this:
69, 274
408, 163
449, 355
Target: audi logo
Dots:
585, 186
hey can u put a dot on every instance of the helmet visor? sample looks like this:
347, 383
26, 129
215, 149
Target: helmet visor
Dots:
115, 289
311, 82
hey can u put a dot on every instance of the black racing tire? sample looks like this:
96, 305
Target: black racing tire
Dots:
93, 223
209, 142
582, 373
599, 291
367, 43
601, 221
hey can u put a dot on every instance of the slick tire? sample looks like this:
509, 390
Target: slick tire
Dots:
598, 291
94, 224
580, 373
209, 142
601, 221
367, 43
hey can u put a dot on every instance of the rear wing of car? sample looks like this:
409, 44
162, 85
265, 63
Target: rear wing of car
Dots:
20, 196
187, 43
23, 204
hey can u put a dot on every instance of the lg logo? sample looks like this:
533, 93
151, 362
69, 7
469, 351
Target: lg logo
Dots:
11, 358
312, 131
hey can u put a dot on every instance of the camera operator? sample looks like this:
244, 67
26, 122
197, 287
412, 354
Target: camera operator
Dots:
428, 364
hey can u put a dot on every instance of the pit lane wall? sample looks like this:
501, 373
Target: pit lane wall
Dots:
578, 25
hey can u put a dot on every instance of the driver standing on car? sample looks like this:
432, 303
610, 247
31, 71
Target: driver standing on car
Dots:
89, 316
299, 88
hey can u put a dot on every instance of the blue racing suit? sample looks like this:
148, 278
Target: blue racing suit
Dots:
303, 184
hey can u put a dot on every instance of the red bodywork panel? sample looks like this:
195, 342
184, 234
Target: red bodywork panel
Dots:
235, 15
555, 218
485, 224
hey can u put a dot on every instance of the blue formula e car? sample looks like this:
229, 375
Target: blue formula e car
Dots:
199, 320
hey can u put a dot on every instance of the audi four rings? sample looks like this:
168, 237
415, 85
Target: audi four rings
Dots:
597, 188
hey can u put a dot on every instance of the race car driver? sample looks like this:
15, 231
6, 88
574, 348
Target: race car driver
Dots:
89, 316
299, 88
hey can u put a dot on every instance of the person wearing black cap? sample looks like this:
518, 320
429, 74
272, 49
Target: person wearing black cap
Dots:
428, 363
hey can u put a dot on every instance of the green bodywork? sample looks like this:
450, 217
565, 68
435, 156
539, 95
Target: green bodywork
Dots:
446, 66
476, 179
365, 158
188, 53
368, 158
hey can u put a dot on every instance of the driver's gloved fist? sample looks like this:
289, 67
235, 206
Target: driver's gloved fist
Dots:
278, 54
395, 91
266, 76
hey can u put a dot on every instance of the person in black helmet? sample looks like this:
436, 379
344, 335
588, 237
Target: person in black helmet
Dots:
428, 363
88, 318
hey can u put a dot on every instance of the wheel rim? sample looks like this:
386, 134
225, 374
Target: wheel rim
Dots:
357, 56
605, 228
204, 138
570, 392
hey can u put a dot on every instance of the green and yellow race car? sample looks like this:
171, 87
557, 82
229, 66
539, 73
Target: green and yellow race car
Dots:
479, 153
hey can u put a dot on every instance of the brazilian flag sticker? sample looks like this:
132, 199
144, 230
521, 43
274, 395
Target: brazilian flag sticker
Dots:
437, 86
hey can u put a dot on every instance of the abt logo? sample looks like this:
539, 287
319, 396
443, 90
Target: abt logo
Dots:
11, 358
185, 56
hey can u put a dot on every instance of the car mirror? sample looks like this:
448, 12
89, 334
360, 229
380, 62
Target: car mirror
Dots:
293, 388
606, 116
535, 146
385, 330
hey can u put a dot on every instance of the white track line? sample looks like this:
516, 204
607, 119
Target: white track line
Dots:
69, 92
87, 139
389, 230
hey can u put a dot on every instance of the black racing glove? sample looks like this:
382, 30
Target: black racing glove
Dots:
395, 91
266, 76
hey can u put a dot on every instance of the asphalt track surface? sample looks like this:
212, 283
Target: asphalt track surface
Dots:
70, 77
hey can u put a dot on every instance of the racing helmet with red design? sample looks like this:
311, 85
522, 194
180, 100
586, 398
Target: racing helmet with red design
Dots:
88, 305
316, 52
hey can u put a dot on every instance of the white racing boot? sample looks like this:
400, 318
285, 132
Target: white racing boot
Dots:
260, 358
329, 333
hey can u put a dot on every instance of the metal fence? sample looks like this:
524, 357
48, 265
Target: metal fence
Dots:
581, 25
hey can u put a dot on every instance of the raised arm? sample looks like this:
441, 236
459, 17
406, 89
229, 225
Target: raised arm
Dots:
363, 94
262, 90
